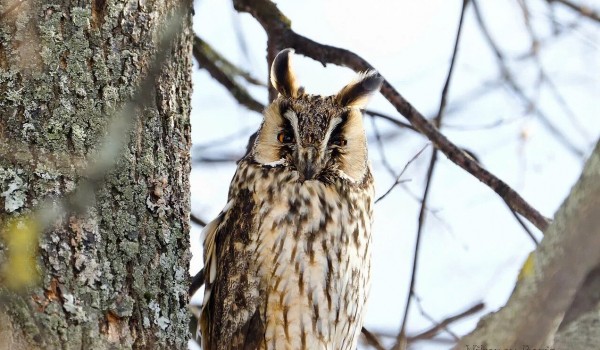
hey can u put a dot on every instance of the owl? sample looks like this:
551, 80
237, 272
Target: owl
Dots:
287, 261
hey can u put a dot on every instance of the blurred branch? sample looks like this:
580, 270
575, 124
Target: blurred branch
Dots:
241, 40
198, 279
582, 10
381, 148
510, 80
197, 282
196, 220
225, 73
401, 340
278, 28
231, 158
224, 64
372, 339
223, 140
544, 77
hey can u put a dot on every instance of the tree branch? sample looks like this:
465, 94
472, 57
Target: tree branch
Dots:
582, 10
278, 29
401, 340
433, 331
372, 339
224, 72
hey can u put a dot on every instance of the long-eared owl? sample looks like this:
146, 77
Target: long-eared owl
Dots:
287, 261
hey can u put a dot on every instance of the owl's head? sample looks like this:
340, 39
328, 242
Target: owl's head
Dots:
317, 136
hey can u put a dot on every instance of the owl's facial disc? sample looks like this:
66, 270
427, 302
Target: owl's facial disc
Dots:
306, 150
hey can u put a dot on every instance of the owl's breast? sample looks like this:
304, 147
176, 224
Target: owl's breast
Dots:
312, 254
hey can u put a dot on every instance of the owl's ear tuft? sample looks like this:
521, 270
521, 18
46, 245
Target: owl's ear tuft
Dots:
357, 93
283, 78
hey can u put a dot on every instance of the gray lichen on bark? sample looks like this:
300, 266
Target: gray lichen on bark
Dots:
116, 275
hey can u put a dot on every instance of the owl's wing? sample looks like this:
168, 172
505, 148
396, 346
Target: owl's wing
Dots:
230, 317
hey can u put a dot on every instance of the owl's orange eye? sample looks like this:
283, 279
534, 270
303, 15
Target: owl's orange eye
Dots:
340, 142
284, 137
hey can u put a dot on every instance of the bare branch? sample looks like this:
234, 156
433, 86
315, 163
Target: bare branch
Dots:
524, 226
224, 72
437, 121
398, 179
372, 339
197, 282
433, 331
582, 10
196, 220
278, 30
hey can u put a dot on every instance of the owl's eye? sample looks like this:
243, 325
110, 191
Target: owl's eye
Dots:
340, 141
284, 137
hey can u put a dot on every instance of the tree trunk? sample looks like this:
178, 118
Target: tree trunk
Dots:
115, 273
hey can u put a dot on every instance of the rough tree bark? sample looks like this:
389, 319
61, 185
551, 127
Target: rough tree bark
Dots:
114, 275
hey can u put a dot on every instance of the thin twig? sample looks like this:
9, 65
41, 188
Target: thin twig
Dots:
439, 326
543, 76
390, 119
398, 181
381, 148
241, 41
565, 106
401, 341
433, 320
524, 226
278, 29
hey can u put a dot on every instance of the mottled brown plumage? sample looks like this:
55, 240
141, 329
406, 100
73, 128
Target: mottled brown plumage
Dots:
287, 262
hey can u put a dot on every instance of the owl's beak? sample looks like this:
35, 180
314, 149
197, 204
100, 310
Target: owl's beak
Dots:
308, 163
309, 171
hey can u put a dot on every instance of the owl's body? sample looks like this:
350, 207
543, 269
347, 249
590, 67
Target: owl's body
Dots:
288, 260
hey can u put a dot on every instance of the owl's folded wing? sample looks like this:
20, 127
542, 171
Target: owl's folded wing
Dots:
230, 318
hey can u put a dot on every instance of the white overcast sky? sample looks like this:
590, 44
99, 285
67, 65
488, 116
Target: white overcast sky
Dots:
472, 247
